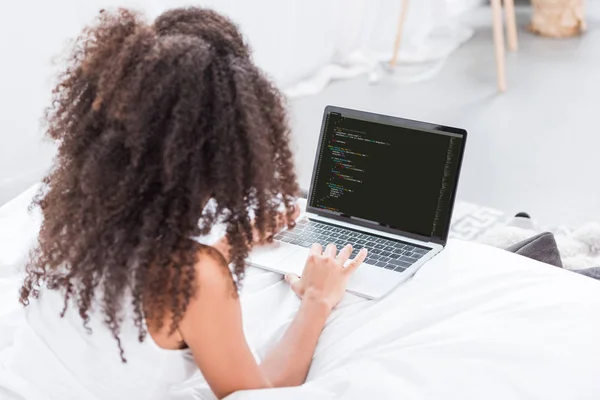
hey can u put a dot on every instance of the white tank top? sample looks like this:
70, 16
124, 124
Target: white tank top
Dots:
56, 358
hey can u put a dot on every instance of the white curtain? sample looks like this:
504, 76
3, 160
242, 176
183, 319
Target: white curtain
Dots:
303, 44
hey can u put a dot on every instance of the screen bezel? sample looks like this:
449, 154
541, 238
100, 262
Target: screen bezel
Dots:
395, 121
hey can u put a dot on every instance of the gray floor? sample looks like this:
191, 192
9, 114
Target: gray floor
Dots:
534, 148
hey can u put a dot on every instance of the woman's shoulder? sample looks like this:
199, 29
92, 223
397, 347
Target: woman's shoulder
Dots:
212, 268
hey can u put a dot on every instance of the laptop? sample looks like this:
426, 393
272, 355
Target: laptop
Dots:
384, 183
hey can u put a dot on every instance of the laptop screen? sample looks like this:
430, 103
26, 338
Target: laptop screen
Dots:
400, 175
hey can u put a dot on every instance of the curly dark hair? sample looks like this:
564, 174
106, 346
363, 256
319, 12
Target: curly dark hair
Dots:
153, 121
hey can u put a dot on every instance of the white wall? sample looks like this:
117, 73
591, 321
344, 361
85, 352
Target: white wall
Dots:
31, 34
291, 39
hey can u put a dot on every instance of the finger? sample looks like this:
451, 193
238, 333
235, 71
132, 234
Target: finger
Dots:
295, 213
294, 282
267, 234
330, 250
316, 249
280, 221
291, 278
284, 219
355, 263
345, 253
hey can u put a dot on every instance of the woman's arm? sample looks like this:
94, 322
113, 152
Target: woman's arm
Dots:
321, 288
287, 364
212, 328
212, 325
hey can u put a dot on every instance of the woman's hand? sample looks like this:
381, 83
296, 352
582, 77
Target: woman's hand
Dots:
325, 275
282, 221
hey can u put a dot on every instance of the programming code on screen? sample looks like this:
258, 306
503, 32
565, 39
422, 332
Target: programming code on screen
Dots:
394, 176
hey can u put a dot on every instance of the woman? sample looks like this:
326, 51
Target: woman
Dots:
152, 122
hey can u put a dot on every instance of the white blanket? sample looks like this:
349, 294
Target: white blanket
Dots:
474, 323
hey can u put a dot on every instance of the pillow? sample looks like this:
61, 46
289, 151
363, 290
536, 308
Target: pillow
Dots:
540, 247
543, 248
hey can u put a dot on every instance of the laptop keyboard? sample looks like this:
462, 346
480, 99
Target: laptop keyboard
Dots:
383, 252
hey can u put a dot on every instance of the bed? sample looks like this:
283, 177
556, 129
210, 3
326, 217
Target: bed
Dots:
474, 323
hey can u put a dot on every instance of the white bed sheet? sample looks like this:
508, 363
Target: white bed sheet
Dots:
476, 322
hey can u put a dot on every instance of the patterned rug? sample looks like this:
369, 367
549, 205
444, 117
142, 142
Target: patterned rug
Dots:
470, 221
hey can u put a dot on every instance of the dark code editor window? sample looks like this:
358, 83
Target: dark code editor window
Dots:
398, 177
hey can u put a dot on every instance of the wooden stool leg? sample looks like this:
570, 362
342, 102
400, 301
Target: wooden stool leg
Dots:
499, 44
401, 20
511, 24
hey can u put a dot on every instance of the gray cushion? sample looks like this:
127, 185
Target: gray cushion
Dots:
591, 272
543, 248
540, 247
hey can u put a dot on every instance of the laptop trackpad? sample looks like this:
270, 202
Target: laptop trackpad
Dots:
373, 282
295, 263
270, 255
